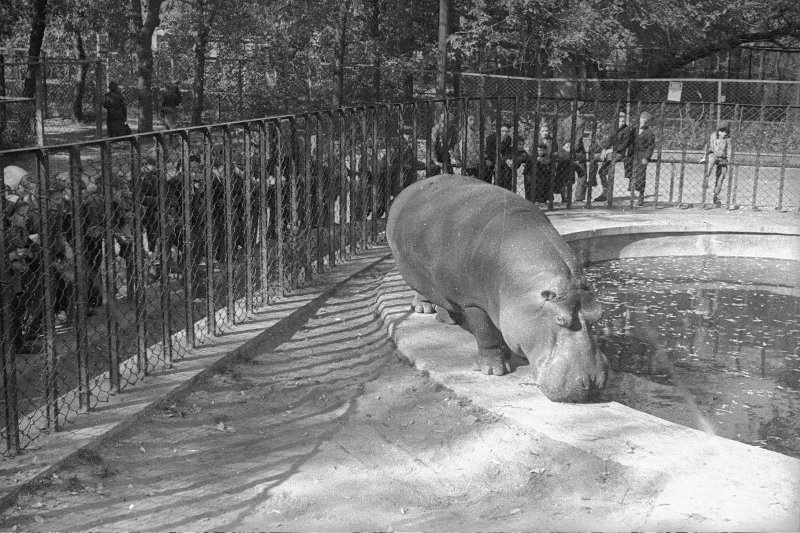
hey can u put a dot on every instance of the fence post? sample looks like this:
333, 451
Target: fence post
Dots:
515, 140
683, 157
40, 101
98, 98
758, 151
720, 99
81, 287
786, 136
208, 215
47, 239
7, 352
112, 312
135, 269
187, 193
481, 133
658, 157
163, 251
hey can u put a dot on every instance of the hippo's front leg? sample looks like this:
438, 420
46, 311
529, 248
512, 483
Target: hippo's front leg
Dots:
491, 347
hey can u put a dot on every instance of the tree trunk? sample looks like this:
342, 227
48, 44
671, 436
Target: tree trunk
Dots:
377, 63
339, 47
444, 23
199, 83
38, 24
80, 86
143, 29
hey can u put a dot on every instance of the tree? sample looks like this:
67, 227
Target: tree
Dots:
144, 19
38, 15
339, 48
686, 32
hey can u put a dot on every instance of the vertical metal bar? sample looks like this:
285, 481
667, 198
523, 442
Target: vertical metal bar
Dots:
81, 287
657, 184
553, 162
363, 203
430, 111
683, 156
263, 214
7, 351
112, 325
248, 219
613, 166
515, 140
761, 119
671, 182
634, 163
307, 180
573, 128
291, 179
138, 258
330, 196
208, 208
279, 206
463, 117
320, 203
591, 164
164, 249
784, 151
374, 175
497, 126
342, 184
188, 256
227, 186
537, 122
481, 134
47, 235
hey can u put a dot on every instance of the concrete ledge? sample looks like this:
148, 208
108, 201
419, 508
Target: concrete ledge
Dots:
697, 481
268, 325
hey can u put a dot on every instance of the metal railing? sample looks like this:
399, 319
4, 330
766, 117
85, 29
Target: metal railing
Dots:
121, 255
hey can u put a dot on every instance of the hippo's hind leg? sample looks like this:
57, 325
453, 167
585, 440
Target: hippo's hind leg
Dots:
491, 347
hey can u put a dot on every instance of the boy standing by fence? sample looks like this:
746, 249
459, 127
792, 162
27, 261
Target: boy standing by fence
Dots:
718, 152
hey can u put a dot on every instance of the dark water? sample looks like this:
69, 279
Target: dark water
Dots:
706, 341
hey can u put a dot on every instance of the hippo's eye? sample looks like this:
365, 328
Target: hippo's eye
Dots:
548, 295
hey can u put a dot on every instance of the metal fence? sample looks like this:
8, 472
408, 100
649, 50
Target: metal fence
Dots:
692, 90
121, 255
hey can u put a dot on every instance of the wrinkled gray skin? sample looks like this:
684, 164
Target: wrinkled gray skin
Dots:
494, 263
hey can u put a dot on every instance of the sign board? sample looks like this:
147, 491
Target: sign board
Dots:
674, 91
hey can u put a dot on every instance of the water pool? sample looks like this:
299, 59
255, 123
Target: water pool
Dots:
712, 343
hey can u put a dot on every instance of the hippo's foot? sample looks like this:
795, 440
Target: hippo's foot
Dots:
492, 361
444, 316
420, 304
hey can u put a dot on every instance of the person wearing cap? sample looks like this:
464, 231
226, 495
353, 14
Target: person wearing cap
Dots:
644, 144
616, 147
718, 152
116, 111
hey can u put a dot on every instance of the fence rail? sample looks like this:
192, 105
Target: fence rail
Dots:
122, 254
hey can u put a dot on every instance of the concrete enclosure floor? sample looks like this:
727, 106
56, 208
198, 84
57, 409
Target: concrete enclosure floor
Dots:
325, 425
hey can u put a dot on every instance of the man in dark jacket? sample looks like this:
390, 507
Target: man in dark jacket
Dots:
643, 146
116, 111
618, 147
503, 168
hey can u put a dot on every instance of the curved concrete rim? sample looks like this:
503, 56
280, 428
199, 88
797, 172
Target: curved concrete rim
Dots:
701, 481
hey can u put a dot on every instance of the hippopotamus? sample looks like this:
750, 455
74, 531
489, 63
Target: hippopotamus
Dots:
492, 262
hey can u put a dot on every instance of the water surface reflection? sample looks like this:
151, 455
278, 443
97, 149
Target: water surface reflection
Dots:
727, 330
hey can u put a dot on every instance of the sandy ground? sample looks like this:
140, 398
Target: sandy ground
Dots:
327, 427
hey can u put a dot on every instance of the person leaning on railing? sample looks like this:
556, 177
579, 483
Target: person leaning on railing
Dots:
718, 152
644, 145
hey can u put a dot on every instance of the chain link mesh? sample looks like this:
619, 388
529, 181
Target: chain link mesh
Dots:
122, 255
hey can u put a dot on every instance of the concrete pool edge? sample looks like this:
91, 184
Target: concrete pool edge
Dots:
708, 482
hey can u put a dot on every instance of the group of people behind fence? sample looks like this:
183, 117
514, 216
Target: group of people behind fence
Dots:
570, 162
312, 184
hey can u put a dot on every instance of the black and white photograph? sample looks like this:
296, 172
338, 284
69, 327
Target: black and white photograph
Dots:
384, 265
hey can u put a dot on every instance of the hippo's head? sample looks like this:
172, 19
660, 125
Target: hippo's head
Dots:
552, 329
